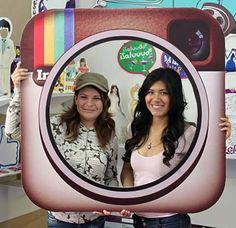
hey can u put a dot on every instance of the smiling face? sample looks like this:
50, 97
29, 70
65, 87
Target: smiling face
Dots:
158, 100
89, 105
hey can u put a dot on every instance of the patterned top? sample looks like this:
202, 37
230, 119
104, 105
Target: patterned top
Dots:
83, 154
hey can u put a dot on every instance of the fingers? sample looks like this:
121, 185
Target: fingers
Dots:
97, 213
225, 122
103, 213
125, 213
18, 65
228, 134
224, 119
19, 74
227, 129
19, 68
226, 126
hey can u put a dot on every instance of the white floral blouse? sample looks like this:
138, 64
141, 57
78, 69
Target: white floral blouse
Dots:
83, 154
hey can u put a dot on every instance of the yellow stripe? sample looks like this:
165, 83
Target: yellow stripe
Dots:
49, 39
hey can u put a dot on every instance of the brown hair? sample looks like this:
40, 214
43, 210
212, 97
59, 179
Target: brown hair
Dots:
104, 124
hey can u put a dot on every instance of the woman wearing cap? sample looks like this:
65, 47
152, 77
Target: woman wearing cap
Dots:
85, 130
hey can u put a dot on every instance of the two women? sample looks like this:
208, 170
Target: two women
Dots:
160, 139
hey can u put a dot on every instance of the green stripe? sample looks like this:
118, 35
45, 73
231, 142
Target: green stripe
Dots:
59, 35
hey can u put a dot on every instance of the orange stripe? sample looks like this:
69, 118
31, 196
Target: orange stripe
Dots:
49, 39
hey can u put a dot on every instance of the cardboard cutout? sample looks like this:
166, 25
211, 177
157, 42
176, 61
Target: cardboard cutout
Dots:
7, 55
47, 52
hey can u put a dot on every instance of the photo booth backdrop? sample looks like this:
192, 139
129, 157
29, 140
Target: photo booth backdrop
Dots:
204, 66
23, 12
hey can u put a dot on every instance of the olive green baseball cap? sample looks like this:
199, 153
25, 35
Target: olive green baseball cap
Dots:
91, 79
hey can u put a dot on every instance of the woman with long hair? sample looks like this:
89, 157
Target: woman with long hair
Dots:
161, 137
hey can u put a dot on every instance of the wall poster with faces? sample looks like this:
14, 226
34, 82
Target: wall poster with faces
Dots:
102, 37
7, 55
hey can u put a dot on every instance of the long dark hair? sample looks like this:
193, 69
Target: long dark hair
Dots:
142, 121
104, 124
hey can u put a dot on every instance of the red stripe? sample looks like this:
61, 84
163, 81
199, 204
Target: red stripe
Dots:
38, 40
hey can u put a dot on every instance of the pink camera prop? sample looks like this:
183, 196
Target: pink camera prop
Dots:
192, 37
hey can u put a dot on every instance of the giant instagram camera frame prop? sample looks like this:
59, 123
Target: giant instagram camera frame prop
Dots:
53, 185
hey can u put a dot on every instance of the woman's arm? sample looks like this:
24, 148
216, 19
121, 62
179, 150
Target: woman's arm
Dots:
127, 176
12, 123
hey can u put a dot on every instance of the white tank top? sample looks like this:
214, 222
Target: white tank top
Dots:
149, 169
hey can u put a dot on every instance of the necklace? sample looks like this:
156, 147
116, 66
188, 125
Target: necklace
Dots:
149, 146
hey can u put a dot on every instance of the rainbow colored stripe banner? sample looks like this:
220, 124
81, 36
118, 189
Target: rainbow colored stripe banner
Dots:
53, 36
